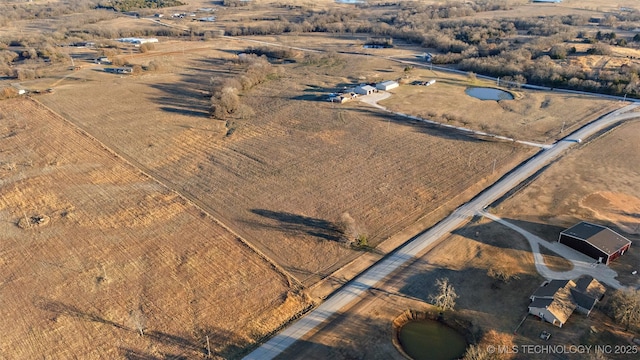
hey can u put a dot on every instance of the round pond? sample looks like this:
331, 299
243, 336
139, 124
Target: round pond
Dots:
485, 93
431, 340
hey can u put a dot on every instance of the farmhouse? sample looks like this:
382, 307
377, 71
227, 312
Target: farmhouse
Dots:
387, 85
138, 41
555, 300
119, 70
598, 242
365, 89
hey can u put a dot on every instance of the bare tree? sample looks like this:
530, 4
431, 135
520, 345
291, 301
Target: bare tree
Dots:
138, 320
476, 352
625, 306
445, 297
352, 232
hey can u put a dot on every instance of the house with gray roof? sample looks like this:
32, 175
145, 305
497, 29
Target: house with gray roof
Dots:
554, 301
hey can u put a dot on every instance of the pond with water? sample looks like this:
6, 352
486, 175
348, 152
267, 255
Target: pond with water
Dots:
431, 340
485, 93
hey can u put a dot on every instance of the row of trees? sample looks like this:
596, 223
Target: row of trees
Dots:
225, 99
128, 5
487, 46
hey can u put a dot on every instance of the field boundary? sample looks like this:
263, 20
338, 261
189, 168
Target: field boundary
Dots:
292, 281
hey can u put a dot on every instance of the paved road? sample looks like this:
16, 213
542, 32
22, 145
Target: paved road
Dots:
352, 290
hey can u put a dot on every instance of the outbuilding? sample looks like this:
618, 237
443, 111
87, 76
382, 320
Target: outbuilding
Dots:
365, 89
598, 242
387, 85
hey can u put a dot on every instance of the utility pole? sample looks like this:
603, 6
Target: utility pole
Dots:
494, 166
562, 130
208, 347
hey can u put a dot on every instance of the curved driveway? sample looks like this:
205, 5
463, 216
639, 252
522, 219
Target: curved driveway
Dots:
367, 279
582, 264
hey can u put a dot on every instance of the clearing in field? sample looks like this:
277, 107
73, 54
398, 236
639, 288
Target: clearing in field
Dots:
99, 259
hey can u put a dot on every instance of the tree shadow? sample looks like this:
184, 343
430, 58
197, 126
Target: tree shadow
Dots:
61, 308
299, 224
494, 234
437, 130
545, 231
131, 354
175, 340
472, 285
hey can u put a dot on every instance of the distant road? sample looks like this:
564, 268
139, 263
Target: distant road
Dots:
353, 289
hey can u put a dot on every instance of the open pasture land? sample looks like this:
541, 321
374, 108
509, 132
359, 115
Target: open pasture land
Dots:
93, 251
283, 171
491, 309
464, 257
596, 182
532, 116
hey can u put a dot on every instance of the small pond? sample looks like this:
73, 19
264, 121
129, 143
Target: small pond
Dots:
484, 93
431, 340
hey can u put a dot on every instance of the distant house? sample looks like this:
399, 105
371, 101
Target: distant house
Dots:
598, 242
365, 89
119, 70
138, 41
102, 60
556, 300
387, 85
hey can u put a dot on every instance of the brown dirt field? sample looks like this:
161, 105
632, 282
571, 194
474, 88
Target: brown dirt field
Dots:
114, 246
595, 182
293, 165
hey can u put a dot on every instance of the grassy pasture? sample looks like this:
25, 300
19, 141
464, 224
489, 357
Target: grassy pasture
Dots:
93, 249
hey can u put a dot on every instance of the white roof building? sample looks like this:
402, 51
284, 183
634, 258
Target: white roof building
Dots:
387, 85
365, 89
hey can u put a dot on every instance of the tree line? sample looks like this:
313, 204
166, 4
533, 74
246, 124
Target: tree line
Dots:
529, 49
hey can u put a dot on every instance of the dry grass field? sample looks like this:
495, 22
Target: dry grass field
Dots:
596, 182
532, 116
365, 330
288, 169
492, 307
126, 208
92, 250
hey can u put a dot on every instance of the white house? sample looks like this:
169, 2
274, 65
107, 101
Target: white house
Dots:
387, 85
365, 90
